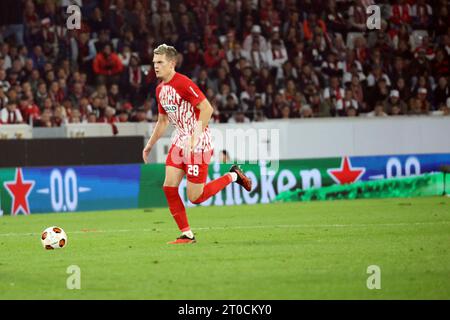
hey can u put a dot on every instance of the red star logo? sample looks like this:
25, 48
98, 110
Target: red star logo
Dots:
346, 173
19, 190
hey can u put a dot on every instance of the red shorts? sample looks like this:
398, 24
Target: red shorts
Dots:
195, 166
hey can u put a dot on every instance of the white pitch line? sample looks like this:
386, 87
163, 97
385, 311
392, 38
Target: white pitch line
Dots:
287, 226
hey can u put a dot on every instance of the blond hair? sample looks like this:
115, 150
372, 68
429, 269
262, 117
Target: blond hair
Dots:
170, 52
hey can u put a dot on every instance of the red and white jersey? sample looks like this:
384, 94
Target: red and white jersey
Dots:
178, 99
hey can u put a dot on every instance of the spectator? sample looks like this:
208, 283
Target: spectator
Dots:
192, 60
107, 66
265, 78
256, 37
378, 111
186, 30
258, 58
97, 45
92, 117
351, 112
248, 96
317, 50
3, 99
292, 24
45, 120
228, 109
97, 22
239, 117
421, 14
394, 101
441, 92
139, 116
311, 25
285, 112
133, 80
114, 96
377, 74
77, 94
400, 13
224, 77
441, 21
358, 92
59, 116
318, 108
56, 94
11, 114
29, 111
357, 16
41, 94
306, 112
349, 66
421, 100
124, 116
31, 23
440, 64
381, 91
85, 108
330, 67
148, 110
279, 102
203, 81
4, 83
295, 56
125, 55
213, 56
259, 110
38, 58
83, 51
235, 53
275, 36
75, 117
223, 94
343, 104
396, 111
398, 70
360, 49
415, 108
443, 110
109, 116
333, 94
403, 89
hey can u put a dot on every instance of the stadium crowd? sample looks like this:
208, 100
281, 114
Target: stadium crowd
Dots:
254, 59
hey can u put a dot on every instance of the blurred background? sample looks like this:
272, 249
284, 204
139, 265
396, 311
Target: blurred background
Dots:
349, 104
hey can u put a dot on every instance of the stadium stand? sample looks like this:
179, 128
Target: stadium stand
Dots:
254, 59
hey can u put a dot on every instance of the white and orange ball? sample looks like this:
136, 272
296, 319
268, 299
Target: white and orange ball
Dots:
53, 238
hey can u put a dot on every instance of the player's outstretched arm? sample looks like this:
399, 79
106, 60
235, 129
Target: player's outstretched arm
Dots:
160, 128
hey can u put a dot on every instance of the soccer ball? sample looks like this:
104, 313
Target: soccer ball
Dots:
53, 238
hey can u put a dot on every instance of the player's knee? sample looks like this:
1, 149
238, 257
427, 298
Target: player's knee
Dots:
195, 197
170, 182
196, 201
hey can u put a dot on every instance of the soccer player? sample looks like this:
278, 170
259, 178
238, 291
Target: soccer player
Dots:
181, 103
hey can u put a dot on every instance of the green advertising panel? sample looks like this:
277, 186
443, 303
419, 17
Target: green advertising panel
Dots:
107, 187
6, 175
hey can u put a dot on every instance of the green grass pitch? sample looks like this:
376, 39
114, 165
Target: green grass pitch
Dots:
316, 250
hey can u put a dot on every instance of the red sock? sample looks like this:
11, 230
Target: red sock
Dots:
213, 187
176, 207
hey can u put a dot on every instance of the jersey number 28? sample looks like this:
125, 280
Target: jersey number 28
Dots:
193, 170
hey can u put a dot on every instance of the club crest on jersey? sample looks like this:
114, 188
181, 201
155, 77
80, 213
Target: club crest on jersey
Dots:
170, 107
